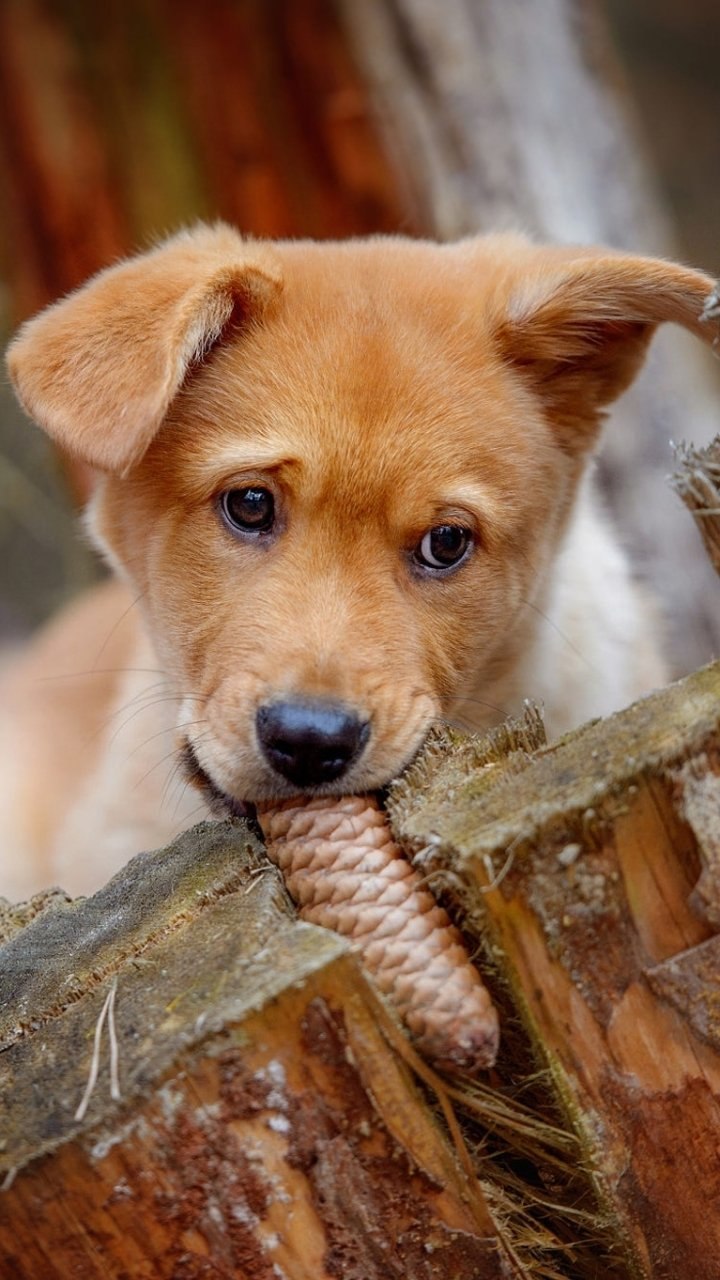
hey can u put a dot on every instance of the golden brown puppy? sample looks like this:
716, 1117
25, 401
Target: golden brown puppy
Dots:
343, 488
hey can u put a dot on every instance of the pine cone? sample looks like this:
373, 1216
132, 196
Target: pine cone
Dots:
344, 870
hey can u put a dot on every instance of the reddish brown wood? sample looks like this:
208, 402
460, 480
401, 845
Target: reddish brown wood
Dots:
62, 217
265, 1125
121, 122
583, 860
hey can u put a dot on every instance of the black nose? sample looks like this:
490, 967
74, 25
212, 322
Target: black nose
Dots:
310, 742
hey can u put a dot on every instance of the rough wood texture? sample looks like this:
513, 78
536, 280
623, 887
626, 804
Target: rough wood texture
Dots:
697, 480
264, 1121
500, 113
580, 862
264, 1127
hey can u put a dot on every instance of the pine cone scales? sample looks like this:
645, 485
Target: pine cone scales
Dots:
345, 872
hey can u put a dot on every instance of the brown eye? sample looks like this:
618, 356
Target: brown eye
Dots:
443, 546
250, 510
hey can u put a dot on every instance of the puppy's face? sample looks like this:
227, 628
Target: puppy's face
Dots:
347, 508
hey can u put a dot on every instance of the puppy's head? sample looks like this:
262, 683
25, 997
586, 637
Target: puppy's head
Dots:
337, 474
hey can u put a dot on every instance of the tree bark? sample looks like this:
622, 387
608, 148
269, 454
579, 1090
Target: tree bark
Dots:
697, 481
592, 869
258, 1113
250, 1117
502, 113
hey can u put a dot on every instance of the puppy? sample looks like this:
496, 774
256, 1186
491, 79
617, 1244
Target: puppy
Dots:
343, 487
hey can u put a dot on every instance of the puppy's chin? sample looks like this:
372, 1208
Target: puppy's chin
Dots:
219, 802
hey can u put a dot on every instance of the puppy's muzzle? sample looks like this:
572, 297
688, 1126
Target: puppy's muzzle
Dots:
310, 742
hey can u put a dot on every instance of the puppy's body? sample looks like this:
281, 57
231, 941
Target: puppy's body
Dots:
86, 744
368, 408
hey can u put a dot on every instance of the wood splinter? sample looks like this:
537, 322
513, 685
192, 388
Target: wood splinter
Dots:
344, 871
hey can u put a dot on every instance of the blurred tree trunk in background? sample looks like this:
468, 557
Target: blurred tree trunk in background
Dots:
500, 113
120, 122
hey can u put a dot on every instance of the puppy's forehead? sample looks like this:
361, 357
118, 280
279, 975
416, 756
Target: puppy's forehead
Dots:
369, 371
358, 334
408, 298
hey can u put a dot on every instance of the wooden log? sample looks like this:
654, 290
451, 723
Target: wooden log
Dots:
697, 481
578, 864
263, 1118
249, 1116
502, 113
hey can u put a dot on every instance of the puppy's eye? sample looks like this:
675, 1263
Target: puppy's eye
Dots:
250, 510
443, 546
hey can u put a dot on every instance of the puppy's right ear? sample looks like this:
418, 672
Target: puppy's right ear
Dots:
99, 369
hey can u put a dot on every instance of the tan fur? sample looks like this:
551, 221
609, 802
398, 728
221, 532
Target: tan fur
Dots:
378, 388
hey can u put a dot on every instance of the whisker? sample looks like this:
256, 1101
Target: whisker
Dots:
140, 706
176, 778
148, 695
172, 728
454, 722
177, 773
482, 702
145, 698
103, 671
199, 808
163, 760
147, 692
559, 631
118, 623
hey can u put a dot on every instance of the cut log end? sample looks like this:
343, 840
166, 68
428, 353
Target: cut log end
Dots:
344, 871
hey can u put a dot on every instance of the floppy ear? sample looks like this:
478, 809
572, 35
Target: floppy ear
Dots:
579, 327
99, 369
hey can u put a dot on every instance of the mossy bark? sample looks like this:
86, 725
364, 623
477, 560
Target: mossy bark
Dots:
249, 1118
588, 870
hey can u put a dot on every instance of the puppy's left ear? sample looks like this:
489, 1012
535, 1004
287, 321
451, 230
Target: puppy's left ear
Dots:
99, 369
579, 328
